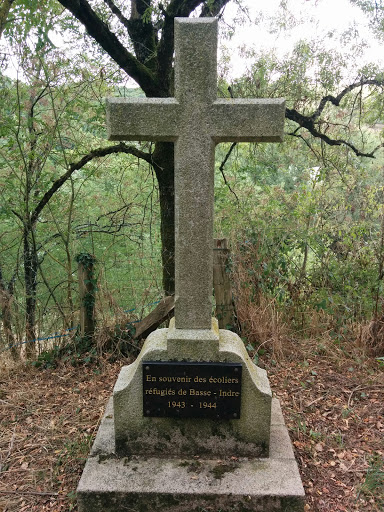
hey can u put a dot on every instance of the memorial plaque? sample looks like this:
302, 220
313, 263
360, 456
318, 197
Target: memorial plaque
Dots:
191, 390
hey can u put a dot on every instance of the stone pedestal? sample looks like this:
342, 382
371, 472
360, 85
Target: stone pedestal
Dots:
137, 434
143, 463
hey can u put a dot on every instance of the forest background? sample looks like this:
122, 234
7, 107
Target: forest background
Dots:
305, 218
305, 221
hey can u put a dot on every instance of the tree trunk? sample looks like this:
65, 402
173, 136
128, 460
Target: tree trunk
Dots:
163, 157
4, 11
30, 278
5, 301
6, 298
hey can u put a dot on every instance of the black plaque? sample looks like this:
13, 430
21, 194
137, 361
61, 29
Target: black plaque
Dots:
191, 390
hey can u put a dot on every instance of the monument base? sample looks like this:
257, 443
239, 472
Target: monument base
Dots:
140, 484
137, 434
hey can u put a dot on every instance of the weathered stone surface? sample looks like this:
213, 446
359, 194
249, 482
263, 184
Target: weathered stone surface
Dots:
182, 484
247, 436
189, 343
195, 120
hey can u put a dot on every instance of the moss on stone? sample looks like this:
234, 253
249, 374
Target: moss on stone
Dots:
224, 467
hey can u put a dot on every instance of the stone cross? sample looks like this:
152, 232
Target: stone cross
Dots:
195, 120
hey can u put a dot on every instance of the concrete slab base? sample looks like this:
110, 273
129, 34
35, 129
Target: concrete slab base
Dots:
195, 484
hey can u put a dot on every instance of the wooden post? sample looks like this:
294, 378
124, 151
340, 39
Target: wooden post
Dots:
221, 283
87, 292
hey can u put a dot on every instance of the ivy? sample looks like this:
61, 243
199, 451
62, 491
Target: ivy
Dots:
86, 259
88, 262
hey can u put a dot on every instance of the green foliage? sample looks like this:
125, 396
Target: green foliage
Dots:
50, 120
87, 260
26, 16
48, 359
255, 354
375, 11
373, 485
308, 227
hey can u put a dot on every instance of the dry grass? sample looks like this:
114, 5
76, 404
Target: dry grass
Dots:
262, 325
371, 337
260, 320
333, 405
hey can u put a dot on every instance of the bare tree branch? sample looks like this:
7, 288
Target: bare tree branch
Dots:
111, 44
116, 11
213, 8
335, 100
96, 153
233, 145
309, 122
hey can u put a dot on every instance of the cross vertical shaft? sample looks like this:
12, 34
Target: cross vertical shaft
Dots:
195, 89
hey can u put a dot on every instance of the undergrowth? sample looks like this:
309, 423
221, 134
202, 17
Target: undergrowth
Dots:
373, 485
114, 342
80, 350
275, 307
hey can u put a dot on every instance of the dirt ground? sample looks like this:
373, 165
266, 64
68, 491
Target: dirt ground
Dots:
333, 405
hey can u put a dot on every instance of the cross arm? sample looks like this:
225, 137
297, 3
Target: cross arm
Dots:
153, 119
248, 120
